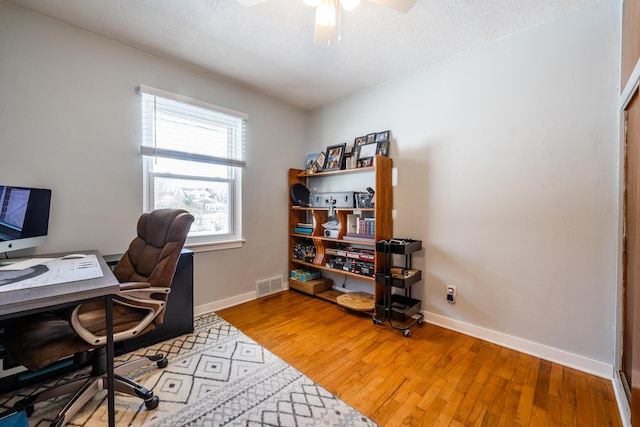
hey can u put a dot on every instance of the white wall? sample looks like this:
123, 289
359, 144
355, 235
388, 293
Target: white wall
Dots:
69, 121
507, 170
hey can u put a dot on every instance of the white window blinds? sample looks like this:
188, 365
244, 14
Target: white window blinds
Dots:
182, 128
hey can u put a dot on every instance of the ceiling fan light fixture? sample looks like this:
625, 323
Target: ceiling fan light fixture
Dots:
326, 13
349, 4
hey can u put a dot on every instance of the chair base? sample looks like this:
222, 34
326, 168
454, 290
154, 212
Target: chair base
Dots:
83, 389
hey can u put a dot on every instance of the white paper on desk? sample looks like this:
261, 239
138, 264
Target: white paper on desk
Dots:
21, 265
52, 272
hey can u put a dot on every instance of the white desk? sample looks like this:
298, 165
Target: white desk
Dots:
20, 302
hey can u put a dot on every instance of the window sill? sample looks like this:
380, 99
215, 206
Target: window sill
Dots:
215, 246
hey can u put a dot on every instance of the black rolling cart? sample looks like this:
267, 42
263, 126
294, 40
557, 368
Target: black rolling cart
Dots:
401, 308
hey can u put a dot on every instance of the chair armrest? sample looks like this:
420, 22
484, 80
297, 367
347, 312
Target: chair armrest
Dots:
136, 298
142, 295
134, 285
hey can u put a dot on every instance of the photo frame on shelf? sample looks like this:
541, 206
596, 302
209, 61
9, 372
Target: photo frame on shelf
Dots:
383, 148
382, 136
364, 163
367, 150
311, 165
366, 153
371, 138
335, 153
359, 141
319, 165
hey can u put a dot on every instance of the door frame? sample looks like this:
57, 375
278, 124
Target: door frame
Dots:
631, 88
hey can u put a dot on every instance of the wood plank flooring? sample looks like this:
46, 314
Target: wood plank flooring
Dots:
436, 377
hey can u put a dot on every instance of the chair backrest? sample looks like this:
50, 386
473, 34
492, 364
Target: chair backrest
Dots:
153, 255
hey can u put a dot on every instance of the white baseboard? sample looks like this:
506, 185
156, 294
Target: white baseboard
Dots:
230, 302
621, 400
225, 303
542, 351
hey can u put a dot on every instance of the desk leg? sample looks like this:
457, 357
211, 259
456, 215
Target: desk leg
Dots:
110, 356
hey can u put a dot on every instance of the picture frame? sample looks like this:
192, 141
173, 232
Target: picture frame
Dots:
383, 148
335, 153
359, 141
366, 153
367, 150
311, 165
319, 166
382, 136
365, 162
371, 138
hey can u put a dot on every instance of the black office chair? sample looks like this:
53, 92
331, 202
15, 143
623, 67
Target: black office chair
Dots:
145, 272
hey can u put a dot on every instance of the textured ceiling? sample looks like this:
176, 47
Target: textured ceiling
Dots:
269, 47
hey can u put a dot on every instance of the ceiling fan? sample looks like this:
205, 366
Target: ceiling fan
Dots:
328, 14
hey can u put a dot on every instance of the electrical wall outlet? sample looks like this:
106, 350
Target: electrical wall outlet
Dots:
451, 294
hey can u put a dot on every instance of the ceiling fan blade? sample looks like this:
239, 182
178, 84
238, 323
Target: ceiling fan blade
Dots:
399, 5
249, 3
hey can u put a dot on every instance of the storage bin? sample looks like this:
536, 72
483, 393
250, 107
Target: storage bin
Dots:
311, 287
399, 277
399, 246
402, 308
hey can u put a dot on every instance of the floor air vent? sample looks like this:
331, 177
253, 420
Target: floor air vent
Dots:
268, 286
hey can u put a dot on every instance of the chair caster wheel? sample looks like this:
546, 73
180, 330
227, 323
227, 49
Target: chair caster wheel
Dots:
163, 363
406, 333
152, 403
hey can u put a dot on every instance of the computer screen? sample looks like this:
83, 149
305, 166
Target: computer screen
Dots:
24, 217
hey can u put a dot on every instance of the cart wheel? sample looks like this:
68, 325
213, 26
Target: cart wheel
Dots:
420, 322
406, 333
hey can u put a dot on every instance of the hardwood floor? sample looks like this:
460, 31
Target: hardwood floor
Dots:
436, 377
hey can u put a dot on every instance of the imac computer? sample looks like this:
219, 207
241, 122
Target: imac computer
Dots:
24, 217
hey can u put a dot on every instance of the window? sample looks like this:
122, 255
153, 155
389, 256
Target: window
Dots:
194, 156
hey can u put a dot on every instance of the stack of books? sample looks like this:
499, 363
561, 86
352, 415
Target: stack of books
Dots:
360, 229
366, 226
303, 228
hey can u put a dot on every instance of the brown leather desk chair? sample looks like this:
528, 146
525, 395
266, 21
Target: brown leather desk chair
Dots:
145, 272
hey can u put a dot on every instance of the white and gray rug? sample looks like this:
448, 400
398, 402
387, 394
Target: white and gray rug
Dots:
217, 376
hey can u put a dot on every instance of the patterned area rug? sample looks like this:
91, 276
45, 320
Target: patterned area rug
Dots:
217, 376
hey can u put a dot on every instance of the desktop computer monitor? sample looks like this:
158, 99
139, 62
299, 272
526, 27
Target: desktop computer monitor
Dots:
24, 217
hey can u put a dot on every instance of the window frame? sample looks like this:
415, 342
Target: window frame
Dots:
235, 168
